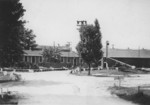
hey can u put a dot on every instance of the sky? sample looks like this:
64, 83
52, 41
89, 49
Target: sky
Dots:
124, 23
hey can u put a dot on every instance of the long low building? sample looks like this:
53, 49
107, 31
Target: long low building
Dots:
138, 58
70, 57
33, 56
36, 56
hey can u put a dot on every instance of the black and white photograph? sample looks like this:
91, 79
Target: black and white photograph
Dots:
74, 52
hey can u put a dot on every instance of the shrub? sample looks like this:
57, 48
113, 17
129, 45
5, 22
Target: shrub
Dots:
123, 68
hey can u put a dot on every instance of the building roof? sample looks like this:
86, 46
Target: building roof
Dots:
39, 53
61, 48
127, 53
43, 47
33, 52
69, 54
112, 52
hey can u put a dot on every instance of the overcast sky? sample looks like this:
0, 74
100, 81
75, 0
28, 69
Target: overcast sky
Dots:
124, 23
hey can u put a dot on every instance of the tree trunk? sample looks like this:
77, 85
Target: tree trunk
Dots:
89, 72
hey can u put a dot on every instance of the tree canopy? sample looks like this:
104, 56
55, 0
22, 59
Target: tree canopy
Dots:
29, 42
11, 50
51, 55
89, 47
13, 34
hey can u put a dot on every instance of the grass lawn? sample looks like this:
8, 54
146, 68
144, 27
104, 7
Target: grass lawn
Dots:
133, 94
108, 72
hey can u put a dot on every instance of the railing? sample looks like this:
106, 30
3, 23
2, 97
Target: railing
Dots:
120, 62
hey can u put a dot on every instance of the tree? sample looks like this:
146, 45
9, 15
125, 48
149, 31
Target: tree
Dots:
51, 55
89, 48
11, 49
29, 39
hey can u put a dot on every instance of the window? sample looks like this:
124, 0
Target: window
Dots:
68, 60
62, 59
40, 59
25, 58
33, 59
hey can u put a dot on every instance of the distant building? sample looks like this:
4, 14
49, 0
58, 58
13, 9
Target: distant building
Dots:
70, 57
67, 55
138, 58
33, 56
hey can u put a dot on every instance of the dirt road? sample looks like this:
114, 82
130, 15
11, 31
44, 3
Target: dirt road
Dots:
62, 88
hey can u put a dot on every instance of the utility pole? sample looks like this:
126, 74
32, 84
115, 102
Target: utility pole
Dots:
79, 24
107, 44
139, 52
69, 43
106, 63
54, 44
68, 49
